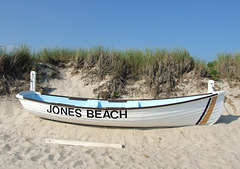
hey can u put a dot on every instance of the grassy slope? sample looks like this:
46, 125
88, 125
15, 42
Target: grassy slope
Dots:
160, 67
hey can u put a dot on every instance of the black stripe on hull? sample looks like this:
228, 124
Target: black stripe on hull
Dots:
204, 112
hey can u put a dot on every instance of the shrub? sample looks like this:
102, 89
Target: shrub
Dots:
211, 66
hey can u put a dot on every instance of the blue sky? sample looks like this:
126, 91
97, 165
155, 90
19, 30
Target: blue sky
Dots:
205, 28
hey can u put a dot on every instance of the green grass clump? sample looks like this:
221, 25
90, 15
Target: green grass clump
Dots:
54, 55
13, 67
163, 67
200, 68
16, 62
211, 67
227, 65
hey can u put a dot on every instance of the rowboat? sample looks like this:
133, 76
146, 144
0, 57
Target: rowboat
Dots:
203, 109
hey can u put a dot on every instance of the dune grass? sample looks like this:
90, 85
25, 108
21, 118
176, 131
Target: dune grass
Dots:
16, 62
13, 66
158, 66
227, 65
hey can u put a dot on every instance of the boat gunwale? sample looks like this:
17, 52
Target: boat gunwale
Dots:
123, 108
111, 100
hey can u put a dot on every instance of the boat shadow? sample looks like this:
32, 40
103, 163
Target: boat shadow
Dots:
227, 119
47, 90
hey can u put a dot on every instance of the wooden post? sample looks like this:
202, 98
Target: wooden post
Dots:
82, 143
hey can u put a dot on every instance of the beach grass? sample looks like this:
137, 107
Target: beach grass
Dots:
15, 62
160, 67
227, 65
13, 67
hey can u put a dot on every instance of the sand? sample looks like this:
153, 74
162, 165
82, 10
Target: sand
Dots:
22, 138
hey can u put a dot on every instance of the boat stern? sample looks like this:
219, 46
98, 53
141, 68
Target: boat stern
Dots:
214, 110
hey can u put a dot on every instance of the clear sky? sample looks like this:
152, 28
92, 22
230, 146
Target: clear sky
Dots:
204, 27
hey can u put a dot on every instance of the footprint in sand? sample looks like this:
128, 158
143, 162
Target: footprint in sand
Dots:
36, 157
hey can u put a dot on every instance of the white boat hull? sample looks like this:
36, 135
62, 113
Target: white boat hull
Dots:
202, 111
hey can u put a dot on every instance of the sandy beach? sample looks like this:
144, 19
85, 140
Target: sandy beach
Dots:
22, 137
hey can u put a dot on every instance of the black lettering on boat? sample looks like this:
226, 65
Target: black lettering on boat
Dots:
114, 111
64, 110
78, 112
67, 111
55, 109
98, 114
50, 109
106, 114
113, 114
70, 111
90, 114
123, 114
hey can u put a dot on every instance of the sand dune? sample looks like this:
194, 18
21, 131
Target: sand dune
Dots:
22, 138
